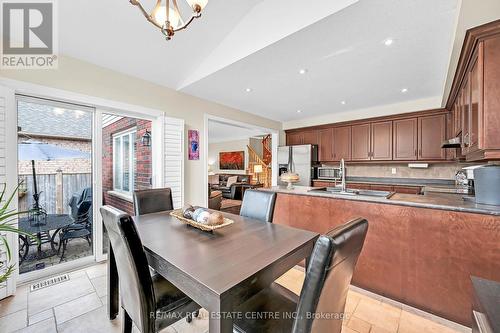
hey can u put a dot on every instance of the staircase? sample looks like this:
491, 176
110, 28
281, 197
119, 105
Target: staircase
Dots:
265, 161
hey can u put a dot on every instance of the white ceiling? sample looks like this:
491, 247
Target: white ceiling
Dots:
262, 44
222, 132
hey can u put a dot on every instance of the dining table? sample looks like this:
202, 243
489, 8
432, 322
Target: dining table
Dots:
220, 269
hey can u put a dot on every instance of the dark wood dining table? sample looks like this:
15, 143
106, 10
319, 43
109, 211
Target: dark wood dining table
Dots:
221, 269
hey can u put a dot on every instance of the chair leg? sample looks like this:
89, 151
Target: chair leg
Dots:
64, 249
126, 322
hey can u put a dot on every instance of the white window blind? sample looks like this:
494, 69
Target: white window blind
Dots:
173, 154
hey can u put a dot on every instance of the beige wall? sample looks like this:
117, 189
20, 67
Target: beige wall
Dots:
377, 111
84, 78
215, 148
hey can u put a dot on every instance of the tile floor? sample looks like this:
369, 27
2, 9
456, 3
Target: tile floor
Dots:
77, 305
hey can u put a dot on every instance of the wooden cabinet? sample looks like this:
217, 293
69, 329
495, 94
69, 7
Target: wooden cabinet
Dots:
325, 144
310, 137
476, 90
381, 141
302, 138
431, 134
361, 142
476, 101
372, 141
342, 143
295, 138
405, 139
319, 183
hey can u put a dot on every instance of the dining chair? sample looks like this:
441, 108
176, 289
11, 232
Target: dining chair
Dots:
149, 301
321, 304
258, 205
153, 201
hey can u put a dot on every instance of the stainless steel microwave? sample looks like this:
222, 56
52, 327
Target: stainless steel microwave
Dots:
330, 173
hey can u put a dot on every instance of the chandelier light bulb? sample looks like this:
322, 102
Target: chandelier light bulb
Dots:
200, 4
160, 17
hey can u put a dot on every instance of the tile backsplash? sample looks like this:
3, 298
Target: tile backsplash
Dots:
434, 171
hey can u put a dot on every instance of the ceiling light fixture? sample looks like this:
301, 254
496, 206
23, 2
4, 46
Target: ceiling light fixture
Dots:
303, 71
248, 90
167, 17
343, 102
404, 90
388, 42
58, 111
299, 111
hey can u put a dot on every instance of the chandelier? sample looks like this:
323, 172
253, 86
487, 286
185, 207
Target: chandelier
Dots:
167, 16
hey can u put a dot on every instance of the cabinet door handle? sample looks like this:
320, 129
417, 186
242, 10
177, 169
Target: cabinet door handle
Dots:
416, 152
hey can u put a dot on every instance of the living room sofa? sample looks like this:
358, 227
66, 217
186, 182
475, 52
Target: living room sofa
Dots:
234, 191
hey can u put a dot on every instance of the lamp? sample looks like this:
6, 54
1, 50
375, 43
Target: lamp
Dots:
167, 17
257, 169
146, 139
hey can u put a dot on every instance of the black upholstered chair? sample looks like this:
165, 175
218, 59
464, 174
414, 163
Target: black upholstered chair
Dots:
150, 302
324, 291
153, 201
258, 205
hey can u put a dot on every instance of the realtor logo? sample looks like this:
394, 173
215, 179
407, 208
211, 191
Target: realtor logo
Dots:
28, 34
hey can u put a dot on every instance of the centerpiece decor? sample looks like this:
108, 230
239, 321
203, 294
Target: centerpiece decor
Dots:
201, 218
290, 177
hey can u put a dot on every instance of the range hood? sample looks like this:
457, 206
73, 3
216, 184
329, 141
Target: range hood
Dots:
452, 143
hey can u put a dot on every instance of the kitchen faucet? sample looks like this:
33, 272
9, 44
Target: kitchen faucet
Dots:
342, 173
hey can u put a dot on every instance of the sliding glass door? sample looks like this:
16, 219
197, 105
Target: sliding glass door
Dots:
55, 182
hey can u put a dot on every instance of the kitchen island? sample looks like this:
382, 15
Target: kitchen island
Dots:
420, 249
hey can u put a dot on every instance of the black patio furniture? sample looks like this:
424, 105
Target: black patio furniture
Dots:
42, 231
81, 212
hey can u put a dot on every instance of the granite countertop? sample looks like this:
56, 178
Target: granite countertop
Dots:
443, 201
488, 296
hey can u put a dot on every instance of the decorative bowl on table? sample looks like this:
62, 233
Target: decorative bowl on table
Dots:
201, 218
290, 178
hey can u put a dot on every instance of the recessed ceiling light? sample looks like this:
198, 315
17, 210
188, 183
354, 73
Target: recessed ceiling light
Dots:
343, 102
404, 90
303, 71
248, 89
388, 42
58, 111
299, 111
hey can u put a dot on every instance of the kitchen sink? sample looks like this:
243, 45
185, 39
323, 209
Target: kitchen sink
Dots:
353, 192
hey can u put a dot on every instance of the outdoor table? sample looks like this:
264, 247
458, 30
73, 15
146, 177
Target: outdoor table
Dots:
54, 222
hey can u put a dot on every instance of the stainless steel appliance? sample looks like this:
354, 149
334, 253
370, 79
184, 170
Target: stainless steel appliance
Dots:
305, 157
328, 173
487, 184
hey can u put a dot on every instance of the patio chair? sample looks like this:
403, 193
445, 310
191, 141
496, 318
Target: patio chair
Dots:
81, 212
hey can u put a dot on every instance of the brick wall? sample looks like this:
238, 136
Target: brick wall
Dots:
143, 160
78, 165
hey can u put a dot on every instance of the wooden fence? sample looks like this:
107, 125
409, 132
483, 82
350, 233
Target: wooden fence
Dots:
55, 190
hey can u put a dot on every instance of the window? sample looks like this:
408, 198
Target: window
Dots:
124, 160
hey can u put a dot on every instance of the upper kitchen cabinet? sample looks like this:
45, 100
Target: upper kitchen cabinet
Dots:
381, 141
476, 88
342, 143
302, 138
405, 139
361, 142
431, 134
325, 144
294, 138
310, 137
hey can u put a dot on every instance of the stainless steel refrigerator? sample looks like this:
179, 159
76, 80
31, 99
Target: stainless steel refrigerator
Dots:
304, 157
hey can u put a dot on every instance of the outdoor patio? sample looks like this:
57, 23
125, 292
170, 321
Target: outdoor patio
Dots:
76, 249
